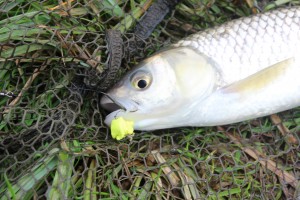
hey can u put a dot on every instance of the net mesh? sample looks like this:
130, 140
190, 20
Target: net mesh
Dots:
56, 57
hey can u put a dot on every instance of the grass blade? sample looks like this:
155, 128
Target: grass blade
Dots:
62, 179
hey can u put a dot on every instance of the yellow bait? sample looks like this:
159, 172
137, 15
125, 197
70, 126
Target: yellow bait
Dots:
120, 128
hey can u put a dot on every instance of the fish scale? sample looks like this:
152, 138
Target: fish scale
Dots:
248, 45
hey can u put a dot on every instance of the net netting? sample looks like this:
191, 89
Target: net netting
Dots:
56, 57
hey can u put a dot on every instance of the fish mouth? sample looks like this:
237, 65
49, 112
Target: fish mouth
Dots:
117, 107
112, 104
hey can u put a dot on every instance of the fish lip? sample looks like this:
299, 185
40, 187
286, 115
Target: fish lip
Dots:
113, 115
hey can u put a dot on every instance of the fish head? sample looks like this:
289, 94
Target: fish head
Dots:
160, 91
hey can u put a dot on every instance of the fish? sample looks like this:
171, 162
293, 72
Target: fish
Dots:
241, 70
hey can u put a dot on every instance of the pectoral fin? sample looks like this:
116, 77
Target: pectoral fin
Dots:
274, 76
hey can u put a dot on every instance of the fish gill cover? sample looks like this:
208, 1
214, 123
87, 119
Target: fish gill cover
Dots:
56, 59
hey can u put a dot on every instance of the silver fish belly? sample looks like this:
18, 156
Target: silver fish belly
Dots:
244, 69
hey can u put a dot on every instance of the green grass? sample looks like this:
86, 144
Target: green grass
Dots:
24, 187
37, 44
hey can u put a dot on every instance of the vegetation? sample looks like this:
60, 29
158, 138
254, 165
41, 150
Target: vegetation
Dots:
39, 41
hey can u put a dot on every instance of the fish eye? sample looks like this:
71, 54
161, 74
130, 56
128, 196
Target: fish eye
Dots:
142, 84
141, 80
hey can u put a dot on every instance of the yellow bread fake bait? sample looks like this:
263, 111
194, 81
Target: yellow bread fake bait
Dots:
121, 128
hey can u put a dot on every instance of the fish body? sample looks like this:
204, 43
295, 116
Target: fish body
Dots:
243, 69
